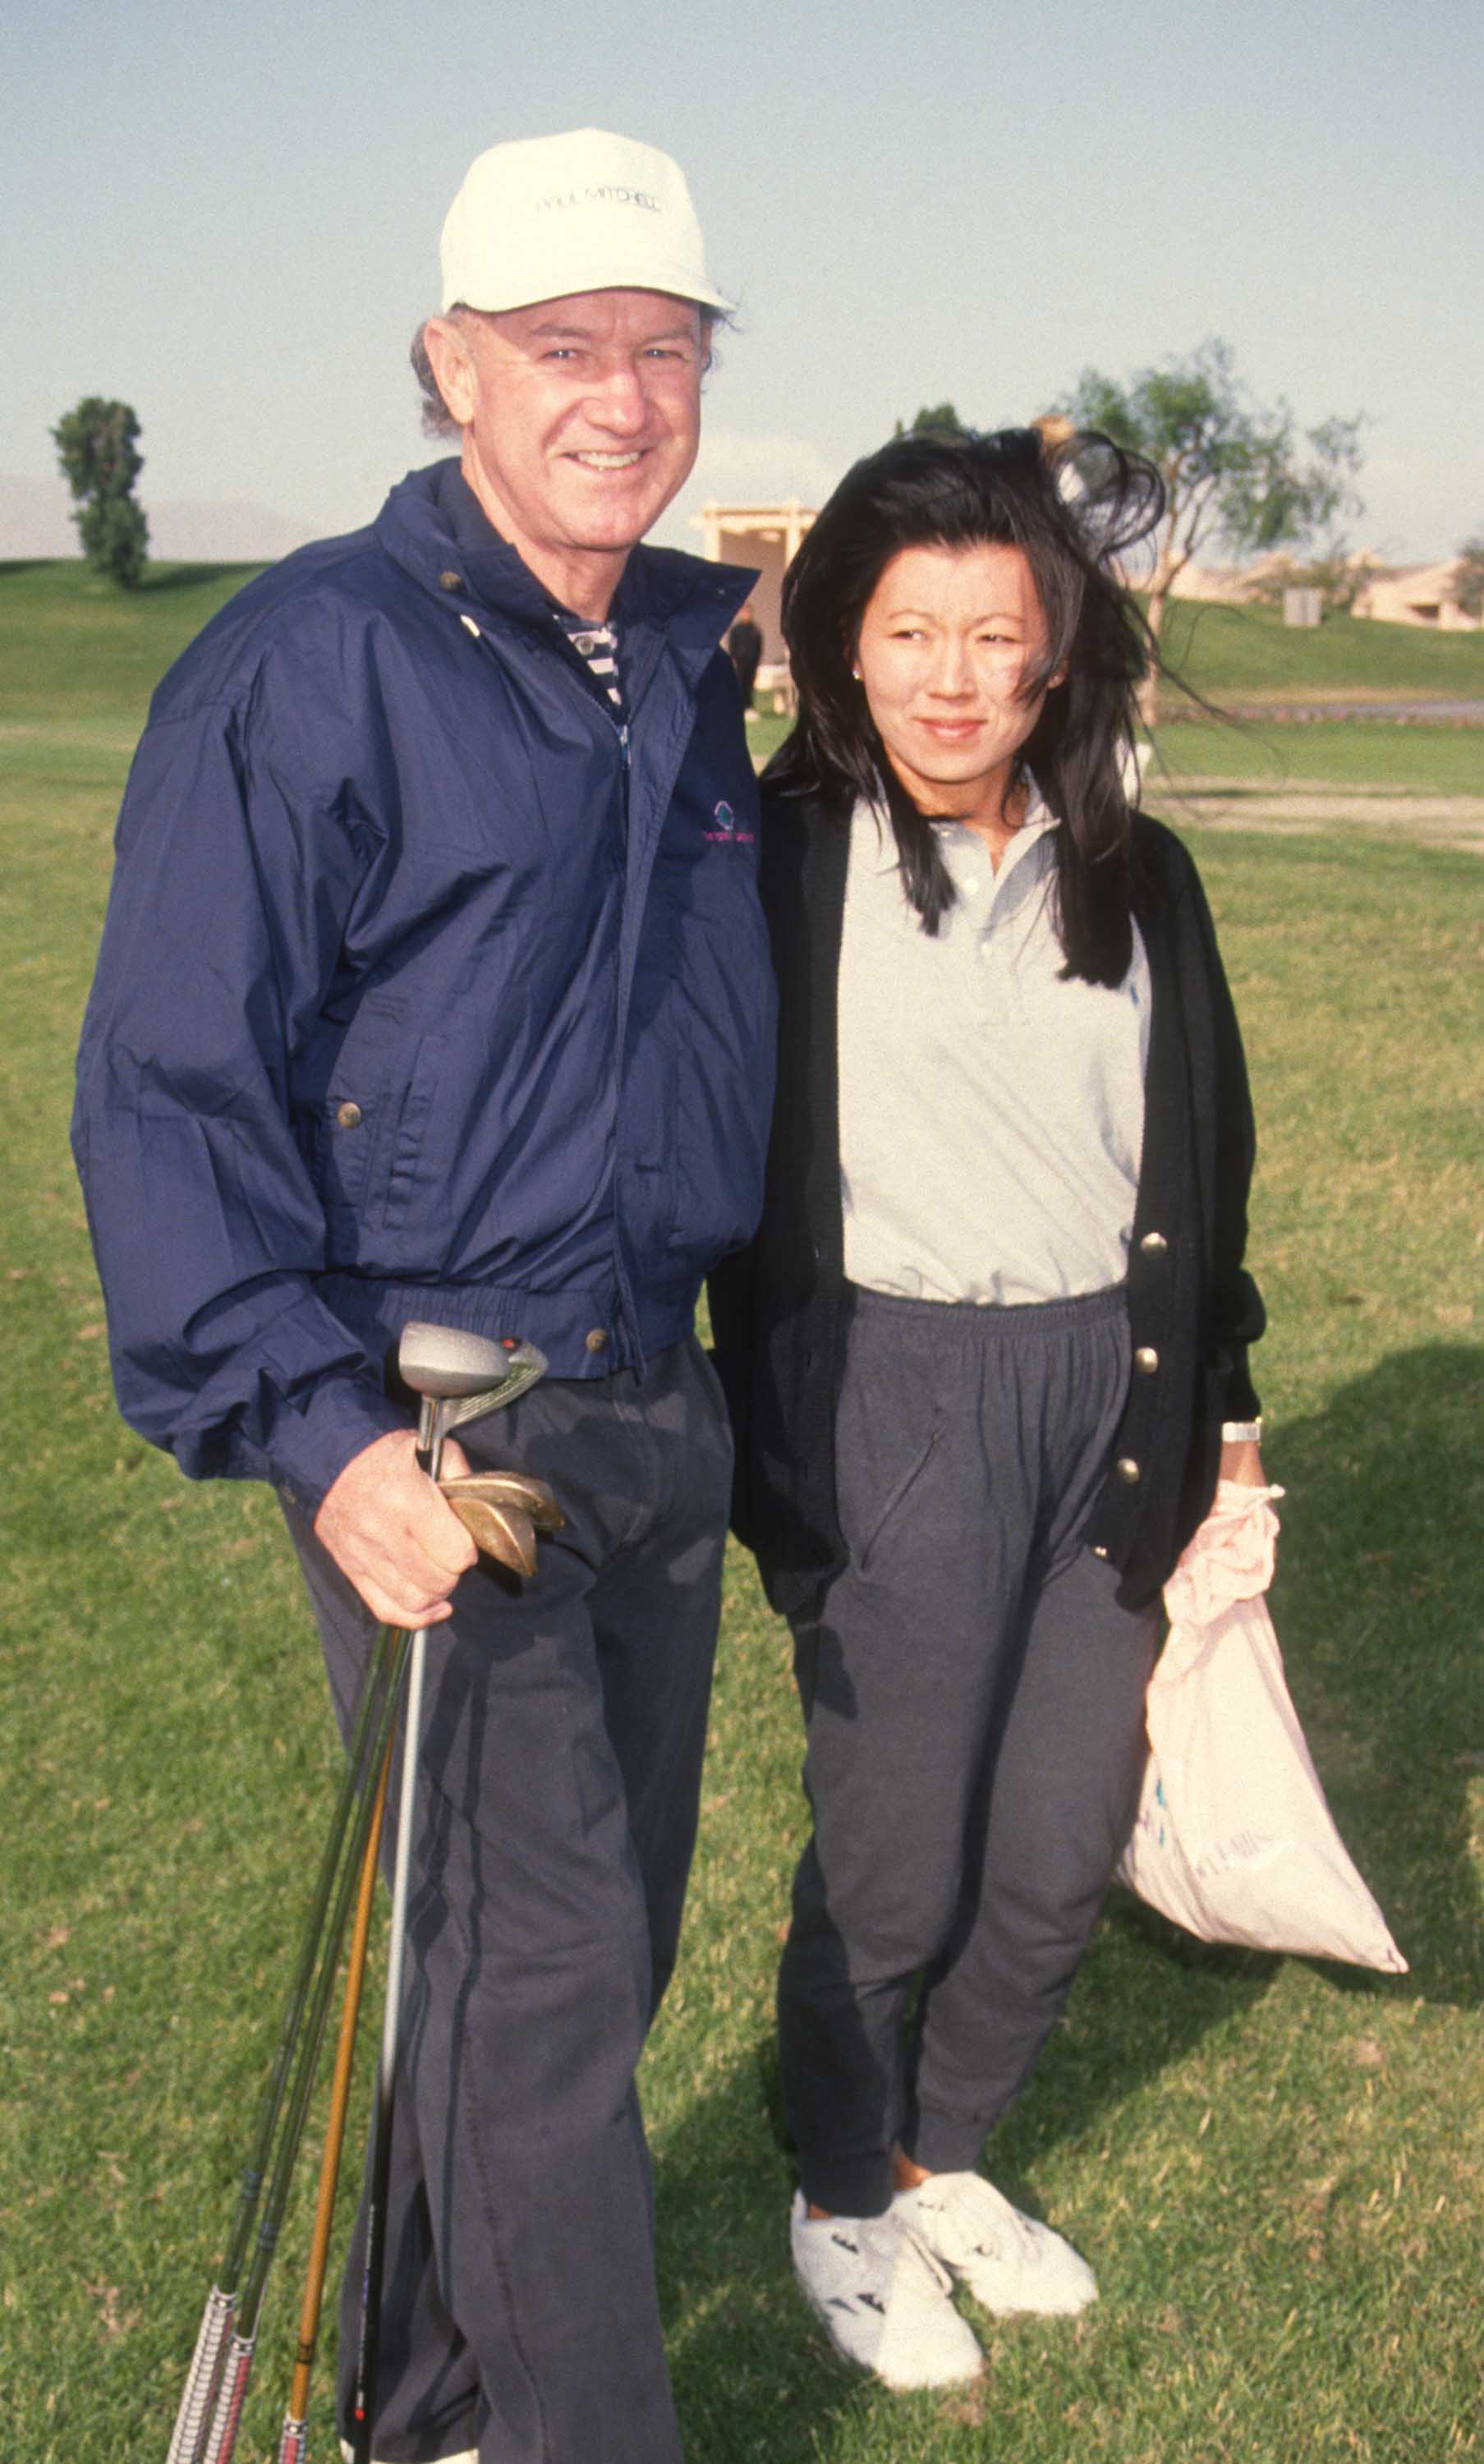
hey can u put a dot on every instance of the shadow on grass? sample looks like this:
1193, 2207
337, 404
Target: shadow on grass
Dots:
1379, 1605
753, 2376
194, 577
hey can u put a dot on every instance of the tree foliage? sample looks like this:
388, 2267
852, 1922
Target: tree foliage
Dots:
938, 418
97, 447
1237, 472
1469, 575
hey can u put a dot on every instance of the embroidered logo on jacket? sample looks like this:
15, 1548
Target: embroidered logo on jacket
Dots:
726, 833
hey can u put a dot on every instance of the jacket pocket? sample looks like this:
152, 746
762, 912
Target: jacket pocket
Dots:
401, 1149
347, 1121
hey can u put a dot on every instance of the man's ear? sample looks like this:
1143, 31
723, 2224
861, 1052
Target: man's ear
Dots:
450, 358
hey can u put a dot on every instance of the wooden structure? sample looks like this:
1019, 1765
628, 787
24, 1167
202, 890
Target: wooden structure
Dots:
766, 537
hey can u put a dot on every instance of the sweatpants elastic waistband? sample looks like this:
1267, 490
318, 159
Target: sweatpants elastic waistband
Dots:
960, 1320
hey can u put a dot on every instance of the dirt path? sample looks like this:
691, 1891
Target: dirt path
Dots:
1305, 805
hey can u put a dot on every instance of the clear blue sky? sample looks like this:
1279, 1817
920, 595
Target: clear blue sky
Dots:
229, 215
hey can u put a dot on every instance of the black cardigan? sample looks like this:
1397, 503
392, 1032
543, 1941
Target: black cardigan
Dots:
777, 1314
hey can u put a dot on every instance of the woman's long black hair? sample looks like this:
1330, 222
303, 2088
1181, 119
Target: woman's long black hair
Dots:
1073, 503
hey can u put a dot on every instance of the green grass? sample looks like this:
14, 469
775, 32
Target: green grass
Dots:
1241, 653
1427, 759
1431, 759
1278, 2167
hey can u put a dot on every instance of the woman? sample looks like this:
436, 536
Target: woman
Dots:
987, 1355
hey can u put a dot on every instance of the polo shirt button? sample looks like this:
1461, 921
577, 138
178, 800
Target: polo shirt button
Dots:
1154, 1245
1128, 1470
597, 1340
1146, 1360
348, 1115
451, 580
1098, 1549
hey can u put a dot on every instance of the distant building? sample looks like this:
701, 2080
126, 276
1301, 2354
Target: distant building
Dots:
1229, 584
766, 538
1415, 594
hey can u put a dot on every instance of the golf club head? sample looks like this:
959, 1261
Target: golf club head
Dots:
524, 1364
444, 1363
502, 1511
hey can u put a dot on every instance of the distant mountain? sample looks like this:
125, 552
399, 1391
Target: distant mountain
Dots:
35, 521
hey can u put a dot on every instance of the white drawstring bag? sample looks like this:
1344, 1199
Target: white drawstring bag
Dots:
1233, 1838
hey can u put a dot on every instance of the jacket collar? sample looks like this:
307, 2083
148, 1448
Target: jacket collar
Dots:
433, 526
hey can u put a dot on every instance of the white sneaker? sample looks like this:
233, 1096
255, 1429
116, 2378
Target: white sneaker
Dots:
884, 2301
1008, 2261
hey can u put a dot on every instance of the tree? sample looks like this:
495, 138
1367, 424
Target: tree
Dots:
1469, 575
97, 446
940, 418
1338, 573
1234, 471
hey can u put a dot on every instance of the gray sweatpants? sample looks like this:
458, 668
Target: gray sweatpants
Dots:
973, 1702
560, 1776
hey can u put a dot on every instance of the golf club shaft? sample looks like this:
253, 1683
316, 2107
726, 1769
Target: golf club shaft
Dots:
203, 2383
431, 1437
291, 2447
238, 2363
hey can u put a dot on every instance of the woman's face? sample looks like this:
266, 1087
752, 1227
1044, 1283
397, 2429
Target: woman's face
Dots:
946, 642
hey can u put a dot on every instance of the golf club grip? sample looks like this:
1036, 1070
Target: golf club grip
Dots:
203, 2379
227, 2420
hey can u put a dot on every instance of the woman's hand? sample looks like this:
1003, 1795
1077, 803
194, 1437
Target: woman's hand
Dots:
1242, 1463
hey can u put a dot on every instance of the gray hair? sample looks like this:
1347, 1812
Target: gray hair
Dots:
438, 419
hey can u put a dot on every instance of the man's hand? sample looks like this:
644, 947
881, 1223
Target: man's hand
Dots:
390, 1532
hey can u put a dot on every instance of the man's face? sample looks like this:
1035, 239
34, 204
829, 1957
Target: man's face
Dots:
580, 419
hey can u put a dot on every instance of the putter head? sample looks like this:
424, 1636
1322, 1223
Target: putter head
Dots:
524, 1364
444, 1363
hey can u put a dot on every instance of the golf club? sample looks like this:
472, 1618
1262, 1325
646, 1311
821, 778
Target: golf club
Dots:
459, 1378
203, 2378
502, 1510
291, 2438
237, 2365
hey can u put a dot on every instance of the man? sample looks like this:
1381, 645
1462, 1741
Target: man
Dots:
744, 649
434, 986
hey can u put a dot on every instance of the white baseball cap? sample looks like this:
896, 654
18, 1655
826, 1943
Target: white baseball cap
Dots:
541, 217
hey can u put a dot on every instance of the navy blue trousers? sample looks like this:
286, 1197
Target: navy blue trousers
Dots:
973, 1699
558, 1783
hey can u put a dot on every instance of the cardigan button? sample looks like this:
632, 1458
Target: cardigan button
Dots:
1098, 1549
597, 1340
1146, 1360
451, 580
348, 1115
1154, 1245
1128, 1470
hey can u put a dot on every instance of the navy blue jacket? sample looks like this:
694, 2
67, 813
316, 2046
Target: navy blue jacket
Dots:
425, 990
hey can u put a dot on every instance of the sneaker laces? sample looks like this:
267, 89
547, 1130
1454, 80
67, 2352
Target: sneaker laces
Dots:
889, 2243
976, 2220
